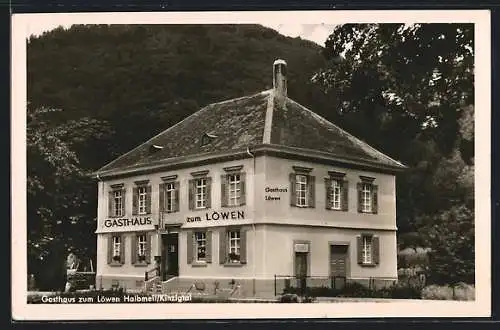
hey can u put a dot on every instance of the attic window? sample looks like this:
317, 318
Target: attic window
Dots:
154, 148
207, 138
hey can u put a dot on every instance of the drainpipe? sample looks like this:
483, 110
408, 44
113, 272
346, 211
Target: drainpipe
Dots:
101, 183
253, 223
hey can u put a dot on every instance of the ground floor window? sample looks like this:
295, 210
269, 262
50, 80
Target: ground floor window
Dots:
368, 250
116, 253
201, 245
234, 246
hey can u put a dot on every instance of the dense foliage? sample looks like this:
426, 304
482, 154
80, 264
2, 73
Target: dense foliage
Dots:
408, 90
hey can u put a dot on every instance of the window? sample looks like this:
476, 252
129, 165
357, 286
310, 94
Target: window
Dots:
335, 194
116, 247
303, 187
234, 246
201, 244
301, 190
367, 249
141, 198
366, 202
201, 193
117, 203
141, 246
170, 197
142, 194
234, 189
367, 196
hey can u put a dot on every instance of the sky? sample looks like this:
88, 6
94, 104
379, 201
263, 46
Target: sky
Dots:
317, 33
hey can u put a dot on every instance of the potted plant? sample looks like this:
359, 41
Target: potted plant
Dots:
141, 257
233, 257
116, 258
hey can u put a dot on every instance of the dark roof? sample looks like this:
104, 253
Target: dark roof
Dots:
241, 122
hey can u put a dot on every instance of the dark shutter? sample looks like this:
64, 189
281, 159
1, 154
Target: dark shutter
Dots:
222, 247
148, 200
243, 246
328, 193
122, 249
124, 201
209, 193
345, 195
162, 194
223, 190
242, 188
293, 194
376, 250
208, 247
110, 204
189, 247
359, 245
134, 251
177, 202
359, 187
311, 190
135, 200
148, 248
374, 199
110, 248
191, 194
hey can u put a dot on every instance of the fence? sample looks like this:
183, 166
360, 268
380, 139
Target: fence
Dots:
299, 284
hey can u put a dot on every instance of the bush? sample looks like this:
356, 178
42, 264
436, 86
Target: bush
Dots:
461, 291
289, 298
356, 290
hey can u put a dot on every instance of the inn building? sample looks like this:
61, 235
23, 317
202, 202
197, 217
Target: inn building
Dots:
246, 191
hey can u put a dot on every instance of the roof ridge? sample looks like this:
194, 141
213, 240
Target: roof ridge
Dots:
368, 148
194, 114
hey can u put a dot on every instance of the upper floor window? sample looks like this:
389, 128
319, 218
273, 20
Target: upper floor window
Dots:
169, 195
367, 196
336, 191
200, 191
335, 194
141, 246
302, 186
233, 187
142, 198
116, 201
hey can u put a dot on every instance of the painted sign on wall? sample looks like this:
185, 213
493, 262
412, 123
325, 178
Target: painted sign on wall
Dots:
126, 222
218, 215
273, 194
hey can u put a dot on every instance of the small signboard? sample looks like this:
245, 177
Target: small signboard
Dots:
301, 247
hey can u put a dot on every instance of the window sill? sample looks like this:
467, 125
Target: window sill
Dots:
368, 265
232, 206
337, 210
116, 216
115, 264
141, 264
199, 264
303, 206
233, 264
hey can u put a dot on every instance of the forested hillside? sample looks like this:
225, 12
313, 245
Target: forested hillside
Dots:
95, 92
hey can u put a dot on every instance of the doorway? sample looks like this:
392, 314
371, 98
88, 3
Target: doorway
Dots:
170, 256
301, 261
338, 265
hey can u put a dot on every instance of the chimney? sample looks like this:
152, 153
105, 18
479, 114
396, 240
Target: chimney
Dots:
279, 80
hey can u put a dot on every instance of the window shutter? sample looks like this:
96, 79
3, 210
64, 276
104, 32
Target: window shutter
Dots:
328, 193
148, 199
177, 201
162, 196
134, 250
189, 247
345, 195
311, 190
376, 250
135, 201
191, 194
110, 248
359, 244
243, 246
148, 248
110, 204
223, 191
293, 194
359, 187
124, 201
208, 247
209, 193
222, 247
375, 199
122, 249
242, 188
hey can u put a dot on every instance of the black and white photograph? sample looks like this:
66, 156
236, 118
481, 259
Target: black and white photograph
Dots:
331, 165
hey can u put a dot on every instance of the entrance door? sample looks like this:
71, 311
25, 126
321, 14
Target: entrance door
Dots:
301, 269
170, 255
338, 265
